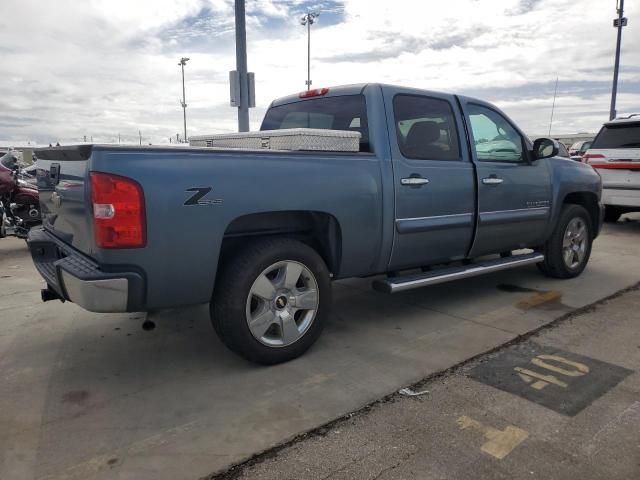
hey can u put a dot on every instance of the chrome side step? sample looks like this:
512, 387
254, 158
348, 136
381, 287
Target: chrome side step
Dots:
399, 284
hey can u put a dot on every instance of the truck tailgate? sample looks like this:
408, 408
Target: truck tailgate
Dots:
62, 175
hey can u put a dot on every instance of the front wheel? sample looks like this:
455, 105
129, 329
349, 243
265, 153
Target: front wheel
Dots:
271, 300
567, 251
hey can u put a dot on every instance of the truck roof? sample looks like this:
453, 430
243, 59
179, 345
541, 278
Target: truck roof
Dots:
358, 88
336, 91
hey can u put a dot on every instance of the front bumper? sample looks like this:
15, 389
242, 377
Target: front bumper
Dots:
79, 279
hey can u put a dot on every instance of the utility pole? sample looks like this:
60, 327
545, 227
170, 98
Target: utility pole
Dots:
307, 20
140, 136
619, 22
241, 67
183, 61
553, 106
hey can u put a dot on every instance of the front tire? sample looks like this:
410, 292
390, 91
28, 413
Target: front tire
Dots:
567, 251
271, 300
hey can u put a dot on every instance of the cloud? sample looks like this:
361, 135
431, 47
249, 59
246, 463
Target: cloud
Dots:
523, 6
106, 67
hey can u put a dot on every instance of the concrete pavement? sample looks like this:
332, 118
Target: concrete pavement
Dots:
94, 396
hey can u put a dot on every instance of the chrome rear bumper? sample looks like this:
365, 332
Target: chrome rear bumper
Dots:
79, 279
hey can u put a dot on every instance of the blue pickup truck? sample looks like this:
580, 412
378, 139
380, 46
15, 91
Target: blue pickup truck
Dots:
444, 187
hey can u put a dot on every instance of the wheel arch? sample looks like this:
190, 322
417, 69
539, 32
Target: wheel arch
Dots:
589, 201
320, 230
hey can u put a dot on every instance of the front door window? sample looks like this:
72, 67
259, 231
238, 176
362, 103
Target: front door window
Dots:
494, 139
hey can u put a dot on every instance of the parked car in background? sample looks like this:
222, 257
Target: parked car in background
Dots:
615, 154
562, 150
578, 149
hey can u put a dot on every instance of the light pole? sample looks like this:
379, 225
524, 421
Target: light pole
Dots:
553, 105
307, 20
183, 61
241, 67
619, 22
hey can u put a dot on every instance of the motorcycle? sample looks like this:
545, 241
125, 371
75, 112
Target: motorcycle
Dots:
19, 203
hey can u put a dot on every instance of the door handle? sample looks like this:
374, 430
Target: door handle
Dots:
414, 181
492, 180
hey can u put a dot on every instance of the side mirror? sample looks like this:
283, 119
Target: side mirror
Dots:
545, 148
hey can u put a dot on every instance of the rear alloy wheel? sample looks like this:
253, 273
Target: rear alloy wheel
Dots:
567, 251
282, 304
271, 300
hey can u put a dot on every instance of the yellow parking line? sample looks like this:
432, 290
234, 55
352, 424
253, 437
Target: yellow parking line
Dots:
539, 299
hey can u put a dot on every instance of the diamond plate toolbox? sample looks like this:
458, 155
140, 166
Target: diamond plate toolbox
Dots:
286, 139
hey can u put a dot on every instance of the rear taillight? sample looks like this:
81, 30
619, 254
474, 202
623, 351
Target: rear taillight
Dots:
589, 157
118, 211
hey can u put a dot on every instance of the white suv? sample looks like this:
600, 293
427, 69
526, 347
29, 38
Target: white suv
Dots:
615, 154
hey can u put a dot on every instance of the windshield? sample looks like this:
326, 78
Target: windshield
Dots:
346, 112
623, 135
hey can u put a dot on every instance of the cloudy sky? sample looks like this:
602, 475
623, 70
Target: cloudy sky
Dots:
106, 67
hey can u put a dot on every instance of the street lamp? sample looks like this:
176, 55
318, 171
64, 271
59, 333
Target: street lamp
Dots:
307, 20
183, 61
618, 23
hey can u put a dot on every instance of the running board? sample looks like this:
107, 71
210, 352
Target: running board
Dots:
400, 284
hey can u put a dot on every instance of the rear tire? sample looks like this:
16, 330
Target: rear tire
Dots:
271, 300
567, 251
612, 214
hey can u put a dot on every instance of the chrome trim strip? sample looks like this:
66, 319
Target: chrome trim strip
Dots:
518, 210
427, 224
397, 285
513, 216
434, 217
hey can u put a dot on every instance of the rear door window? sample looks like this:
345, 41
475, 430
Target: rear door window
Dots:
347, 112
426, 128
623, 135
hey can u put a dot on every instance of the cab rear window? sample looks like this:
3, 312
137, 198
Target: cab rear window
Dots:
347, 112
624, 135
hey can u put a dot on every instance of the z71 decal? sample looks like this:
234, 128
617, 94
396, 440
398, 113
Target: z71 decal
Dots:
198, 194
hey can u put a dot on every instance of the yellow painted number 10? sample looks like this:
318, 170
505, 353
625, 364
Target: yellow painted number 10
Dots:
552, 363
